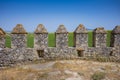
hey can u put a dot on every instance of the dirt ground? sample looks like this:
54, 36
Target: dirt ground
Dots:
63, 70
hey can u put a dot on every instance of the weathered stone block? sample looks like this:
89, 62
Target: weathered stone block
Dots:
99, 37
61, 37
115, 37
80, 37
40, 37
2, 38
18, 36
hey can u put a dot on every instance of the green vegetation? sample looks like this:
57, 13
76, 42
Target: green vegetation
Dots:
98, 76
30, 40
51, 39
8, 41
71, 39
90, 38
108, 37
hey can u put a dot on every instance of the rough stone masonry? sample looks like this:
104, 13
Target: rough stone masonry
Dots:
19, 53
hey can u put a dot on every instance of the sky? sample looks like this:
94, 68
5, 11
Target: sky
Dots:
52, 13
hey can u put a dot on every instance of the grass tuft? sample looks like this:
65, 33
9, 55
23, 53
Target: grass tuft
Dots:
98, 76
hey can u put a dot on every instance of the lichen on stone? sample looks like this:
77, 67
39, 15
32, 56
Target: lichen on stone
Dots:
80, 29
2, 32
40, 29
61, 29
116, 29
99, 30
19, 29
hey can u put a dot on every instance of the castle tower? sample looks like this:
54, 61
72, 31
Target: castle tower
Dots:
61, 37
115, 37
80, 37
99, 37
18, 36
2, 38
40, 37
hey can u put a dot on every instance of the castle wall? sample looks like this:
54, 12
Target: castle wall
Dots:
40, 41
2, 38
61, 37
62, 40
115, 41
10, 57
19, 53
61, 53
99, 37
96, 51
81, 37
81, 40
2, 42
19, 40
40, 38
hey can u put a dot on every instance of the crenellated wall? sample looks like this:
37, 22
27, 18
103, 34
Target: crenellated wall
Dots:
18, 37
19, 53
99, 37
2, 38
81, 36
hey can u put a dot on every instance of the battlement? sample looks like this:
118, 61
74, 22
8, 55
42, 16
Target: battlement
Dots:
20, 52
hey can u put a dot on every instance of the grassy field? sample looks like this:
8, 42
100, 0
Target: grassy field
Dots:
51, 39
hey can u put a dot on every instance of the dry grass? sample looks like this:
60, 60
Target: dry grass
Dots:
60, 65
85, 69
15, 74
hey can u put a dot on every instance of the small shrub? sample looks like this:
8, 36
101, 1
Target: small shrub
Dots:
42, 76
98, 76
80, 73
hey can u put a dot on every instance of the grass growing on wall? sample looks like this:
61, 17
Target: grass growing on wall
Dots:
51, 39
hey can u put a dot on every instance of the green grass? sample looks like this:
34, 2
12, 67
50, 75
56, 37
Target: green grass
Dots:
8, 41
51, 39
108, 37
98, 76
90, 38
71, 39
30, 40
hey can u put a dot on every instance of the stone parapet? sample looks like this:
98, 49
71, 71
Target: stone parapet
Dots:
19, 53
99, 37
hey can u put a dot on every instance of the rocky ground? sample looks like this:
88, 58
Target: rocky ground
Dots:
63, 70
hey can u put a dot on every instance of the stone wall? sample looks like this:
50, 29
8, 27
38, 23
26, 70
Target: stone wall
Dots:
61, 53
40, 37
2, 42
2, 38
19, 53
61, 37
115, 41
99, 37
19, 39
81, 36
10, 57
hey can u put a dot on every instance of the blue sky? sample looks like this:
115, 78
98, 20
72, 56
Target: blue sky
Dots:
52, 13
